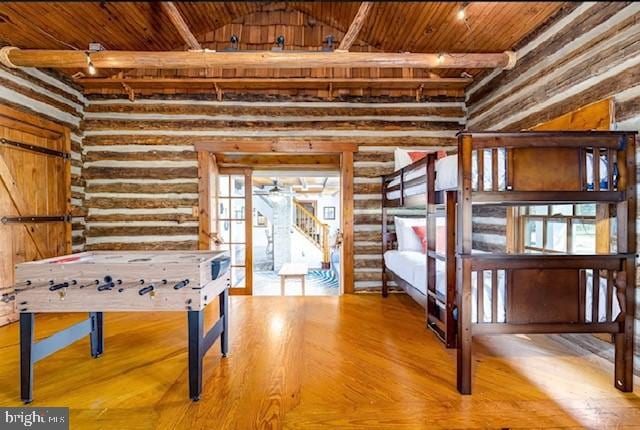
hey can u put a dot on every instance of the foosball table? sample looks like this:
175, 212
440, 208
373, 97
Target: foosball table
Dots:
128, 281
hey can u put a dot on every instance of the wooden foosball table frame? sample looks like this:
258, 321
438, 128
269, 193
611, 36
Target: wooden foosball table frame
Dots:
131, 281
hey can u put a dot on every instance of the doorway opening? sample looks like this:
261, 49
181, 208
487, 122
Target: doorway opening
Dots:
296, 230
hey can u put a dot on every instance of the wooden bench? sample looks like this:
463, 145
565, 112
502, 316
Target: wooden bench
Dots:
292, 270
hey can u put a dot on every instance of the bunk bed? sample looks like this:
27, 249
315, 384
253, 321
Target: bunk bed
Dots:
522, 293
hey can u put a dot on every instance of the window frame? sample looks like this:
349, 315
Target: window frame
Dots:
525, 216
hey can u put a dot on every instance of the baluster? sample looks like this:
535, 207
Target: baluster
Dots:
583, 169
595, 295
480, 293
610, 154
509, 169
494, 170
609, 303
582, 295
494, 296
596, 169
480, 160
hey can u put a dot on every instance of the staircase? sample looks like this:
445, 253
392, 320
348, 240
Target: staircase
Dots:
263, 205
313, 229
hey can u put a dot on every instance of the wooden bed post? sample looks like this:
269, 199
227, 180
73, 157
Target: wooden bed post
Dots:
450, 269
626, 218
431, 233
385, 287
463, 264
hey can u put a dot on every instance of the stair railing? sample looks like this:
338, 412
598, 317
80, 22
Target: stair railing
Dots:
313, 229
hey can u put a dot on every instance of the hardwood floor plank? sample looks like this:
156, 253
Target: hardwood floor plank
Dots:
350, 362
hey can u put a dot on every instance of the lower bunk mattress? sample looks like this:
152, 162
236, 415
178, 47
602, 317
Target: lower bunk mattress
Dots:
411, 266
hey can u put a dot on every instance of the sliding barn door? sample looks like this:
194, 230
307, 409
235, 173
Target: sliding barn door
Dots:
35, 187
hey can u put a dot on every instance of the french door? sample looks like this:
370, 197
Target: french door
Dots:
233, 218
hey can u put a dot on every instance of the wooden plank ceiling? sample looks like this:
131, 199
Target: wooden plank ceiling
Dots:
430, 27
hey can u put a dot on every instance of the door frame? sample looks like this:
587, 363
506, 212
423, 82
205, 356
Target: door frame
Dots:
208, 173
345, 150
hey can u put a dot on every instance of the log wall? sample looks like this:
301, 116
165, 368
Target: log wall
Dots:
591, 54
140, 167
48, 96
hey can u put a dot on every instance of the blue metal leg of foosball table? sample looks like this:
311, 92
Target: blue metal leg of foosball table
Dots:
31, 352
199, 344
97, 335
26, 360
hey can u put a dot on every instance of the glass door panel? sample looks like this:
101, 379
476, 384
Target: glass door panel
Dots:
233, 206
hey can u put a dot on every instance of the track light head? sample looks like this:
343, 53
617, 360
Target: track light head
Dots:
462, 12
91, 69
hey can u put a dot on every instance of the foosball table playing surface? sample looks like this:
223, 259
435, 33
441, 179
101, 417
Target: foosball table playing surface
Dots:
127, 281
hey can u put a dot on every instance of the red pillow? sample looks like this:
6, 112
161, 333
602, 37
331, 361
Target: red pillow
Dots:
419, 155
421, 232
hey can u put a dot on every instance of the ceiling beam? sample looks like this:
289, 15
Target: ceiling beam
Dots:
276, 83
64, 59
324, 185
356, 25
180, 24
277, 145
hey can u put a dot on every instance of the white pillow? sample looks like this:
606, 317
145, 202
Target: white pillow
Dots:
408, 240
401, 158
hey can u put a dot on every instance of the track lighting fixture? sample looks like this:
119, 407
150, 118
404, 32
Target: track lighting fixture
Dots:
328, 43
462, 12
91, 69
235, 43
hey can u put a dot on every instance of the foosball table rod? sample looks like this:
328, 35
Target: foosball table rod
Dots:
108, 285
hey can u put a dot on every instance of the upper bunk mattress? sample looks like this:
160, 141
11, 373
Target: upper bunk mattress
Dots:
447, 175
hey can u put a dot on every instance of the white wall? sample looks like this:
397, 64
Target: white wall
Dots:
327, 201
303, 251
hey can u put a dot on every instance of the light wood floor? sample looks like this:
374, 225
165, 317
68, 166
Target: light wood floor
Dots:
316, 362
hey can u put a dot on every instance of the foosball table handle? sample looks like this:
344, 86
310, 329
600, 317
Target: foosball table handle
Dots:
181, 284
59, 286
146, 290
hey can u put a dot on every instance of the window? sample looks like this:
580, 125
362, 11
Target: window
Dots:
569, 228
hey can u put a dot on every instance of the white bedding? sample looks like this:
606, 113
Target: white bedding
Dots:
412, 267
446, 176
